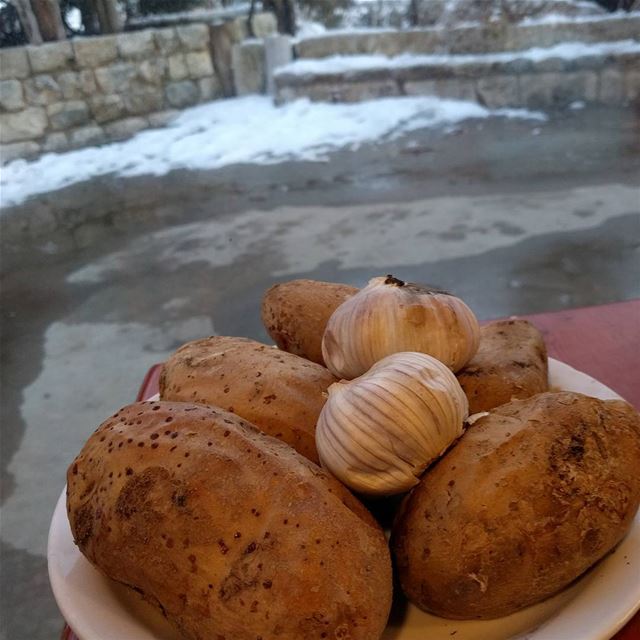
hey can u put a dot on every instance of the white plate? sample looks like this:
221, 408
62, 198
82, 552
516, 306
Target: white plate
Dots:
593, 608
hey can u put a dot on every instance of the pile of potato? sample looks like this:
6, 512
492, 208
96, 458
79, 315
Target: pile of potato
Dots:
212, 504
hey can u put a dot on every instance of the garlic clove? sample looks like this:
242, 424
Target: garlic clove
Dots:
379, 432
389, 316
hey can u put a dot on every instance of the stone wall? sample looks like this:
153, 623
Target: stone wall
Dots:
87, 91
489, 37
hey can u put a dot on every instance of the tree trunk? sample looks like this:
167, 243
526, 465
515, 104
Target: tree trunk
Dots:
49, 19
285, 14
414, 13
89, 17
28, 21
108, 16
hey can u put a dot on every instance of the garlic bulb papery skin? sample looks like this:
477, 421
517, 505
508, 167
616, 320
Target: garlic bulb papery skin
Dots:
389, 316
379, 432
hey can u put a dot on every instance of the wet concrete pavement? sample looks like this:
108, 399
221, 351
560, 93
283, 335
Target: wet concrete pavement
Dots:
513, 217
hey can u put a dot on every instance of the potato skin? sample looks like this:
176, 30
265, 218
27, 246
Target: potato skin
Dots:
295, 314
282, 394
531, 496
230, 532
511, 363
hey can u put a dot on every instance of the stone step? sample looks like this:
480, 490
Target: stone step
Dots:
600, 73
480, 38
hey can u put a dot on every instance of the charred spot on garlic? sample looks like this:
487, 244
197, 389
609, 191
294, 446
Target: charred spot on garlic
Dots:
389, 316
379, 432
394, 281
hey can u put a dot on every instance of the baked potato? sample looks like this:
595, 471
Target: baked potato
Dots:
231, 533
510, 363
530, 497
281, 393
295, 314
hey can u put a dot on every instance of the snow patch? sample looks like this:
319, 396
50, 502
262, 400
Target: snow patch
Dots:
241, 130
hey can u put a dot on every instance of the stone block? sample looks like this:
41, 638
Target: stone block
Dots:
28, 124
541, 90
177, 67
87, 136
456, 89
9, 152
65, 115
14, 63
420, 88
163, 118
42, 90
247, 61
11, 95
353, 91
143, 101
496, 92
210, 88
56, 142
632, 86
223, 37
152, 71
95, 51
182, 94
199, 64
517, 65
107, 108
612, 89
264, 24
136, 44
50, 56
418, 73
471, 70
278, 51
536, 89
123, 129
167, 40
550, 65
576, 86
420, 42
585, 62
193, 37
76, 84
117, 78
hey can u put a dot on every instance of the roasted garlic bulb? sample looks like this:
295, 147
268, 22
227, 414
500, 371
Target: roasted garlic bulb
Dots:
379, 432
389, 316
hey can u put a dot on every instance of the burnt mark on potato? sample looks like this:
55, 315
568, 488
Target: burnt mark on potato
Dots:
135, 495
233, 585
83, 528
179, 498
576, 447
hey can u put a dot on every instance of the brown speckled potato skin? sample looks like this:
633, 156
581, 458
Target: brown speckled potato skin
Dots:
282, 394
529, 498
231, 533
511, 363
295, 314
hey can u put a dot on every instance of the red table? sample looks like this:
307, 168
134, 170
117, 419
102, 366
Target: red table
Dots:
603, 341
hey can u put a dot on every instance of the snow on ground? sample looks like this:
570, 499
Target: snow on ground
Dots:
241, 130
566, 50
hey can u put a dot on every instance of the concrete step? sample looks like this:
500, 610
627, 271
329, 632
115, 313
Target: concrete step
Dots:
598, 73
